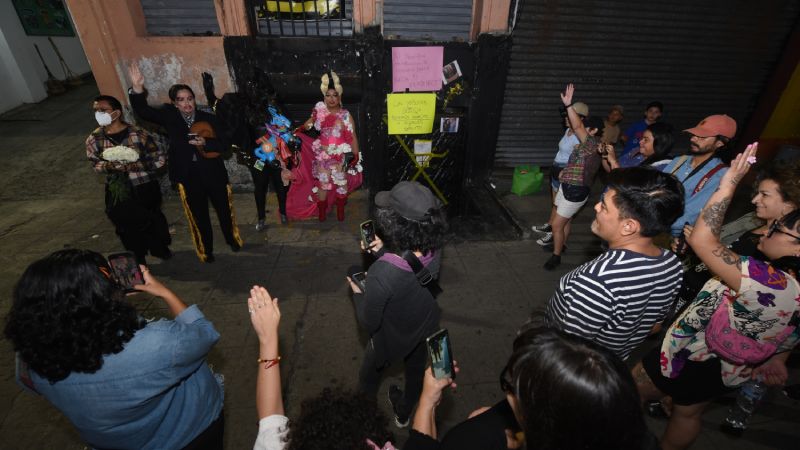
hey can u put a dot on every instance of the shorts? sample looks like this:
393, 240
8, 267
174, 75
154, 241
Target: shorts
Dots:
698, 382
570, 199
555, 171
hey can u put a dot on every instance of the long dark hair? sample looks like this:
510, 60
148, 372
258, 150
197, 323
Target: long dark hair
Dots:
663, 140
67, 313
573, 393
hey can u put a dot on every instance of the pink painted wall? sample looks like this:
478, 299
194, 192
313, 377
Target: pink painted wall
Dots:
113, 36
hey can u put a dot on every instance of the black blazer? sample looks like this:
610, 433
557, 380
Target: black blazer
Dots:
184, 156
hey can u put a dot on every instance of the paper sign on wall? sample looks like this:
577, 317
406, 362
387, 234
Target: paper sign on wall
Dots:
411, 113
417, 68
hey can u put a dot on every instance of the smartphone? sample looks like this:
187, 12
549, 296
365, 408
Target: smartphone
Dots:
126, 270
367, 232
192, 136
360, 278
441, 354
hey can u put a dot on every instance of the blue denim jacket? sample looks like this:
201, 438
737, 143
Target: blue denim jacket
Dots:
157, 393
693, 203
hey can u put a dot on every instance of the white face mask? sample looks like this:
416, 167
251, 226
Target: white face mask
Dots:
103, 118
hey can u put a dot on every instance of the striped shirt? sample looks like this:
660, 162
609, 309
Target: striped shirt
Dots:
615, 299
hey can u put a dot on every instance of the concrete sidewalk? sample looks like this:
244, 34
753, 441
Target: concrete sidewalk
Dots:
51, 199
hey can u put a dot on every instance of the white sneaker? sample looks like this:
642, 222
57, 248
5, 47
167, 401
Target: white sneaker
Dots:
543, 228
261, 225
547, 239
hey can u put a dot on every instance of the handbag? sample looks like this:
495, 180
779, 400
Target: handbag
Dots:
729, 344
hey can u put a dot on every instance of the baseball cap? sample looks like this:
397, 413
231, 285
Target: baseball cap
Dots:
409, 199
581, 108
716, 125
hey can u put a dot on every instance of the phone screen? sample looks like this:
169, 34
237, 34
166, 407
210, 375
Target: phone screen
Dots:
360, 278
126, 270
441, 355
191, 136
368, 232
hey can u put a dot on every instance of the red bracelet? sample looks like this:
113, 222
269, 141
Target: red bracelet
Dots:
269, 362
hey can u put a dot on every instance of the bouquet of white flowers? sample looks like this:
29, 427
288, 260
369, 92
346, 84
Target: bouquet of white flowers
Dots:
120, 153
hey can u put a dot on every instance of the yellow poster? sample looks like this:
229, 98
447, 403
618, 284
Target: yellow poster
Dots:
411, 113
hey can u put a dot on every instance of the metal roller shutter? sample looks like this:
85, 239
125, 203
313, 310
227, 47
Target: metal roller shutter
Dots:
442, 20
697, 57
180, 17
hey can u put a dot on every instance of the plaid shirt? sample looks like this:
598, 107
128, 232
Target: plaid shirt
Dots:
151, 158
583, 163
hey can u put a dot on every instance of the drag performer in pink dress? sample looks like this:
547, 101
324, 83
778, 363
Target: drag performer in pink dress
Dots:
335, 164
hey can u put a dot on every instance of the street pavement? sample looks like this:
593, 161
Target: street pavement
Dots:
50, 199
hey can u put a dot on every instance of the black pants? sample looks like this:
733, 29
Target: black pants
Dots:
196, 192
139, 222
369, 378
211, 437
261, 181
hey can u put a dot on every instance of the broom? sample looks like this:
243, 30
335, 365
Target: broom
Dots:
71, 77
54, 86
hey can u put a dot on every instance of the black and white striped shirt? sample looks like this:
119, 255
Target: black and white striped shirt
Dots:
616, 298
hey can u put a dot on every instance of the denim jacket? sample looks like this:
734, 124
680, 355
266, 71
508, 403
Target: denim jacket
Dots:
157, 393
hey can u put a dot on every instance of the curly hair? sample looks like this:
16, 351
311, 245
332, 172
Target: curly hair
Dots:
573, 393
399, 234
338, 420
67, 313
785, 176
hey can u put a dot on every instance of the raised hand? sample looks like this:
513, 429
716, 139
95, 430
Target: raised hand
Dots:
265, 314
137, 79
740, 166
566, 96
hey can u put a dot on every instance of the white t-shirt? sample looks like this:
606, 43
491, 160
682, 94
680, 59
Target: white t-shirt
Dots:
565, 147
272, 431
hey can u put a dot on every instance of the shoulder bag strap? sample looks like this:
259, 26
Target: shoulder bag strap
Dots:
679, 164
424, 276
706, 177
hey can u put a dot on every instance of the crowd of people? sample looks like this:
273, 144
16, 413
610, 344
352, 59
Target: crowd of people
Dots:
125, 382
308, 174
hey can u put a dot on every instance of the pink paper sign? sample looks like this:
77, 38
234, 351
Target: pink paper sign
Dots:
417, 68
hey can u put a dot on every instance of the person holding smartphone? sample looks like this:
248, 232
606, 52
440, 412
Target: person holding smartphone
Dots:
396, 308
194, 162
122, 381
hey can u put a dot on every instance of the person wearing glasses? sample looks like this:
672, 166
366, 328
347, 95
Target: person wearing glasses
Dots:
562, 391
132, 193
741, 326
777, 193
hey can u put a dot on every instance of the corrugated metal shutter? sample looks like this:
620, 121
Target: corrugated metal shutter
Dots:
442, 20
180, 17
698, 58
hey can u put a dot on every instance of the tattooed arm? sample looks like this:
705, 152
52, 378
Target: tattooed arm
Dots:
704, 239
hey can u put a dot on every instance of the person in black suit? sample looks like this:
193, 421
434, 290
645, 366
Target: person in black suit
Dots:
194, 162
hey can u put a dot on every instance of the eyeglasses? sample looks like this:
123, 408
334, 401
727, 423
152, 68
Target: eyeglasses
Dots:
505, 382
776, 228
